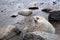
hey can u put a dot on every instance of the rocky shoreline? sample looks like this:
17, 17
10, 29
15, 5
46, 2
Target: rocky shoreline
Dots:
12, 24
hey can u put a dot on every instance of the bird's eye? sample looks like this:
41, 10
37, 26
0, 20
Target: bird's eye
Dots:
37, 18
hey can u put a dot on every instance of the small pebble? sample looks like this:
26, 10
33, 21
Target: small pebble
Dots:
1, 10
18, 6
25, 12
41, 3
33, 7
46, 10
54, 3
15, 15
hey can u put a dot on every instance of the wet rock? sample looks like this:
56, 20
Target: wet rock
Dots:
33, 7
8, 32
31, 36
25, 12
54, 16
46, 10
13, 16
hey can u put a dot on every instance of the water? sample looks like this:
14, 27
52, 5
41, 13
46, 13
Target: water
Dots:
10, 7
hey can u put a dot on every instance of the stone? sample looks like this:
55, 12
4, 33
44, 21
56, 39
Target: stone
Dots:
33, 7
13, 16
37, 35
1, 10
8, 32
54, 3
35, 23
25, 12
31, 36
54, 16
42, 3
46, 10
40, 24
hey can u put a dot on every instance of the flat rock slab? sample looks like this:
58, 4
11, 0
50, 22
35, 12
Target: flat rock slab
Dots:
42, 35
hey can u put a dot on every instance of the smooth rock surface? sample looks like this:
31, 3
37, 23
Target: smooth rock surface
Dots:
14, 15
25, 12
34, 7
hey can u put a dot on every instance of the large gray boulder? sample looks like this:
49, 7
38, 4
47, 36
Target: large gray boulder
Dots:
38, 23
